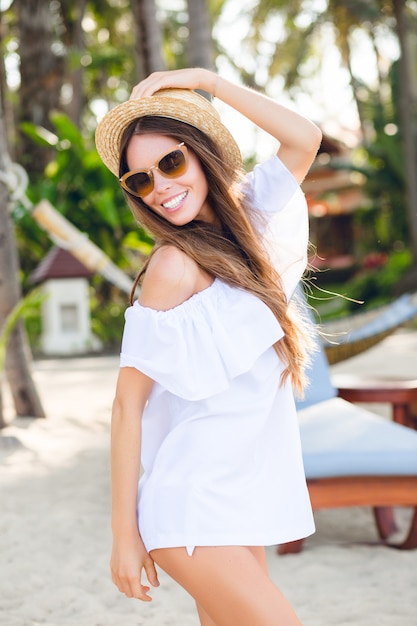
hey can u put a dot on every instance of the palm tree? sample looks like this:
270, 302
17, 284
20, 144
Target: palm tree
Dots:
25, 397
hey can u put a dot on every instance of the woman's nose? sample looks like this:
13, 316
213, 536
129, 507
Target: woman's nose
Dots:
160, 182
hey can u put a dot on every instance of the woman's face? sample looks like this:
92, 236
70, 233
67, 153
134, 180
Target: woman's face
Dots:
179, 200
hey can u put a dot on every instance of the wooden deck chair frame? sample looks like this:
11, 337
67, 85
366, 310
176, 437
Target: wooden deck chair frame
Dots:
379, 492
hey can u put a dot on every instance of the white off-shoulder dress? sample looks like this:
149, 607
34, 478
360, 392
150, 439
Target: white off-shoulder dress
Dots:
221, 453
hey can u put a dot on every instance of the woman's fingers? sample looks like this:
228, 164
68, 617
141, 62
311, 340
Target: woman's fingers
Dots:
132, 587
189, 78
156, 81
151, 573
127, 574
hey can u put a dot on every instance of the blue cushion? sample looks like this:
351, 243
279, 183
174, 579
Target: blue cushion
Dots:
320, 387
339, 438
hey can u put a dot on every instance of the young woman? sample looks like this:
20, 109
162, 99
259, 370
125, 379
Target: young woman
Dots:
212, 349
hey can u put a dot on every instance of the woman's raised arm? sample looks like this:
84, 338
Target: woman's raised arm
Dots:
299, 138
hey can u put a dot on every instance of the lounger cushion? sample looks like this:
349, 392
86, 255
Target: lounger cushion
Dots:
339, 438
320, 386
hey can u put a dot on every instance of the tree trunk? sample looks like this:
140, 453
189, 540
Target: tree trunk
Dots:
42, 65
200, 46
148, 38
75, 107
356, 86
408, 134
25, 397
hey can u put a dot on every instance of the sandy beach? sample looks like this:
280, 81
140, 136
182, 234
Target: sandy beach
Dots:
54, 521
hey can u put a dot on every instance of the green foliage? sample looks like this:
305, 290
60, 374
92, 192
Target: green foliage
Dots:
107, 318
23, 308
384, 170
378, 286
33, 326
365, 290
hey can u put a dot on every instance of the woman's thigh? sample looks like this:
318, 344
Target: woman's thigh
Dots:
259, 554
230, 585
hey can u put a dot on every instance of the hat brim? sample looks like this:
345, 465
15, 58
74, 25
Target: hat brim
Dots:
179, 104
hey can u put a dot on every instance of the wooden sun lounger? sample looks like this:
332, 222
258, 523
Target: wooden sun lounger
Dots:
353, 457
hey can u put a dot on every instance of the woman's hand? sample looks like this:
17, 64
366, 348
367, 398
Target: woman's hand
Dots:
190, 78
128, 558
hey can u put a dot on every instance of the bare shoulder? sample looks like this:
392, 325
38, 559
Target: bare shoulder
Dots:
171, 278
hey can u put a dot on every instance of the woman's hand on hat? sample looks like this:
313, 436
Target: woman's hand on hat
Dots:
189, 78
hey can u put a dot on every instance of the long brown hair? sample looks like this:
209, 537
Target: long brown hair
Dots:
232, 251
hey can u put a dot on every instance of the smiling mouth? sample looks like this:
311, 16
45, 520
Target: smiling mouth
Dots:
175, 202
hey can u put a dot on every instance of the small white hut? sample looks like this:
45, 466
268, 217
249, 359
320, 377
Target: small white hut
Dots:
66, 320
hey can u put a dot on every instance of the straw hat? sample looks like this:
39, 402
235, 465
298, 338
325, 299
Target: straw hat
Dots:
178, 104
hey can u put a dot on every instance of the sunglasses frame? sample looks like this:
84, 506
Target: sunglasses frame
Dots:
180, 146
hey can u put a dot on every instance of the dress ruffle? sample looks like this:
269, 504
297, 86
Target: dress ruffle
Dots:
197, 348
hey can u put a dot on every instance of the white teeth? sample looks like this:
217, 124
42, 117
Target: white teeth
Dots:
172, 204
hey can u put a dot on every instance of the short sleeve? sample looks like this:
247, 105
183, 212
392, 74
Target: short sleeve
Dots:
196, 349
275, 193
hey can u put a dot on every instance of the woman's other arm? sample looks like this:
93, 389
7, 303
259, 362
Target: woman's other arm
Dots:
129, 555
170, 279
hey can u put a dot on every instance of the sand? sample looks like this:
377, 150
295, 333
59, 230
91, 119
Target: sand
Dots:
54, 520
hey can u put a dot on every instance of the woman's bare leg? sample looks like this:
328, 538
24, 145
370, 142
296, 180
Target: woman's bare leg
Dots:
259, 554
229, 584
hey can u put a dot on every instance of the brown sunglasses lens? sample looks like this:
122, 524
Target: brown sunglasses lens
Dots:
173, 164
139, 183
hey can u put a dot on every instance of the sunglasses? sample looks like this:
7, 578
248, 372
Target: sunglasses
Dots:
171, 165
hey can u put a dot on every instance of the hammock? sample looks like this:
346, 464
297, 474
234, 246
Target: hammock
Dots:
348, 337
